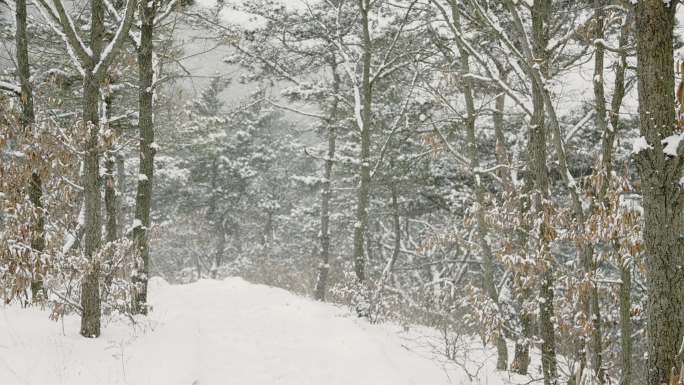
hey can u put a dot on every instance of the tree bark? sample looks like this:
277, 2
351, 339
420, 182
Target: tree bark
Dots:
537, 156
35, 184
521, 357
143, 199
26, 97
625, 326
326, 193
90, 291
662, 200
396, 222
38, 236
121, 188
363, 197
90, 288
109, 183
591, 303
500, 147
625, 268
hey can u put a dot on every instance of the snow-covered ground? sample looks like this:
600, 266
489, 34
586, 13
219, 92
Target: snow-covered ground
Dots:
226, 333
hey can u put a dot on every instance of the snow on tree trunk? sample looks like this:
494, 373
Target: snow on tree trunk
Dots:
109, 184
143, 197
538, 157
363, 196
590, 301
326, 193
662, 194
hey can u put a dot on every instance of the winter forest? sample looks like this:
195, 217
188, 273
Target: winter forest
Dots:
337, 192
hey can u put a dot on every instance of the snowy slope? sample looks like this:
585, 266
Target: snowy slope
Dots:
223, 333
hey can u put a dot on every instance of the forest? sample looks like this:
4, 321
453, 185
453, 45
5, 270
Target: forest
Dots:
420, 191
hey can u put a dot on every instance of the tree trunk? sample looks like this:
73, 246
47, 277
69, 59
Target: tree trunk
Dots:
521, 355
121, 188
38, 237
35, 185
326, 193
500, 147
396, 222
237, 239
662, 200
363, 197
220, 249
143, 198
482, 230
537, 156
24, 72
109, 184
90, 288
591, 307
267, 237
218, 225
626, 326
625, 268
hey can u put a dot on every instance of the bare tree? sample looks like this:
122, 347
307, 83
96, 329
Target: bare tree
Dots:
93, 62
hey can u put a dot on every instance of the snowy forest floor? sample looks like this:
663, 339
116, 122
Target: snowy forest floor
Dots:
232, 332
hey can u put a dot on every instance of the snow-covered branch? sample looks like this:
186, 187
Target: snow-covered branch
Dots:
71, 37
10, 87
110, 51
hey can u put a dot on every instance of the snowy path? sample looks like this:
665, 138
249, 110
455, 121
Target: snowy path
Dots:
213, 332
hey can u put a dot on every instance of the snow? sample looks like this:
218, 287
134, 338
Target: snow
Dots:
235, 17
307, 180
640, 144
219, 332
136, 223
107, 52
671, 144
10, 86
